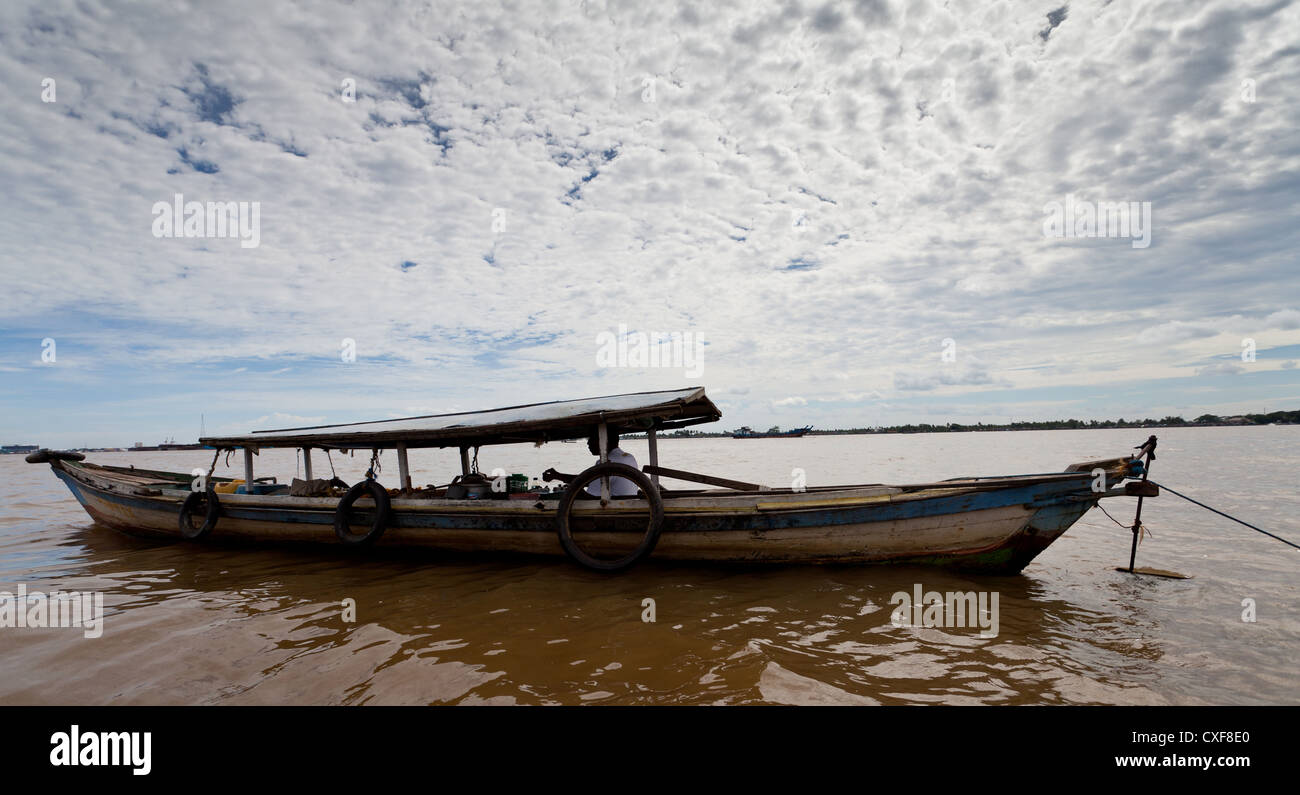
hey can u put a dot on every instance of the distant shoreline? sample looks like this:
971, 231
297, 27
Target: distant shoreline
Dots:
1204, 421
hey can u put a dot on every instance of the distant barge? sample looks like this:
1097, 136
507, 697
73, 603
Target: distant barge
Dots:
772, 433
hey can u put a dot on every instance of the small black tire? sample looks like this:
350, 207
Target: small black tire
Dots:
185, 520
383, 509
575, 489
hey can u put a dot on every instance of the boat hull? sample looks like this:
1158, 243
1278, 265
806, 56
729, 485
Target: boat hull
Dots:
996, 531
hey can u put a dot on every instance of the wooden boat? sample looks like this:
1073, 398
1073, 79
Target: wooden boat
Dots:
994, 525
774, 433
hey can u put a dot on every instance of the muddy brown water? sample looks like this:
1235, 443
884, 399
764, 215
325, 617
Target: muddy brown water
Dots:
221, 624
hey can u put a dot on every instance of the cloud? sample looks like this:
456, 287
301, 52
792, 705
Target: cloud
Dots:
790, 401
1220, 368
850, 397
970, 372
1283, 319
279, 421
1173, 332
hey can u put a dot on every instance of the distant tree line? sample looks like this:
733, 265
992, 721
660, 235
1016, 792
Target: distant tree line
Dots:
1271, 418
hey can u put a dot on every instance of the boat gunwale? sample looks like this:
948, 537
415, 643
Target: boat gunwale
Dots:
705, 502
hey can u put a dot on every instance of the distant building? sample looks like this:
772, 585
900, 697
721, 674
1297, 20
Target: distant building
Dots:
18, 448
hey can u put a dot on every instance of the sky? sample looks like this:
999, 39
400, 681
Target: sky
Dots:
843, 209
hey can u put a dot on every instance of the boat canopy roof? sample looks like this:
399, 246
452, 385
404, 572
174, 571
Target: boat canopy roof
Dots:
536, 422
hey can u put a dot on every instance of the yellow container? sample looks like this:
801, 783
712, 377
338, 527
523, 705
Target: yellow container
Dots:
227, 488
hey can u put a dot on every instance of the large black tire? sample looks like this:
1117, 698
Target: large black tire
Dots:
575, 490
185, 520
383, 509
44, 456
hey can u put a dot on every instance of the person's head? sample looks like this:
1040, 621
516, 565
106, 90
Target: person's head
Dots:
593, 441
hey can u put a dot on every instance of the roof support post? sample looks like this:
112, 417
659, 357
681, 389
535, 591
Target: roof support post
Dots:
248, 471
653, 439
464, 460
603, 434
403, 471
306, 461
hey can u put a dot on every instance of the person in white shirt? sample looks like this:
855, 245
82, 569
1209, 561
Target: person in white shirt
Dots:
618, 487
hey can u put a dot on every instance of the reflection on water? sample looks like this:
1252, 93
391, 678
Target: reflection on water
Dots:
216, 623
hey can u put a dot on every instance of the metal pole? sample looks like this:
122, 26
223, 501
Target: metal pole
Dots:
306, 462
654, 454
248, 471
464, 460
1149, 450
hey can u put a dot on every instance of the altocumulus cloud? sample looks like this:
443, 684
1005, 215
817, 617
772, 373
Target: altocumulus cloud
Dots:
559, 169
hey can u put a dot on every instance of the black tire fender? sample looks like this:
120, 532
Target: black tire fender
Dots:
185, 519
653, 528
45, 455
383, 510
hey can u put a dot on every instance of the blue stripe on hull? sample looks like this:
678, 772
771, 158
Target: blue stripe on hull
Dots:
1049, 494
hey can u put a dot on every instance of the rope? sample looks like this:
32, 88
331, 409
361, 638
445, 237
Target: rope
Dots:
213, 468
1144, 529
374, 464
331, 460
1113, 519
1228, 516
